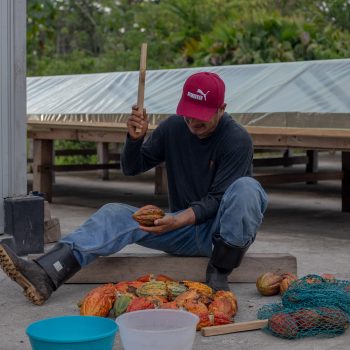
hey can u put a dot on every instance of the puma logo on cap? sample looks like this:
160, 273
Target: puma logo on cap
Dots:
198, 97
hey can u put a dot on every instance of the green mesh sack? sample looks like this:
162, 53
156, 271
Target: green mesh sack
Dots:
312, 306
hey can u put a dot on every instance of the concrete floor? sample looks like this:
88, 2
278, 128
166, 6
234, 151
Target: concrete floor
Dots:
303, 220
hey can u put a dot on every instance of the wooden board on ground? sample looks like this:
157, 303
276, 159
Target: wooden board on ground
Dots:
121, 267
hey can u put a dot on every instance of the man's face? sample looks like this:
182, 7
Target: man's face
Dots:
204, 129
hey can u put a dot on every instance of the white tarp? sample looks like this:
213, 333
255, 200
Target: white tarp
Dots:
261, 90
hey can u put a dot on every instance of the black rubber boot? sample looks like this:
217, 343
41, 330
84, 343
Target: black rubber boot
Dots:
40, 277
224, 259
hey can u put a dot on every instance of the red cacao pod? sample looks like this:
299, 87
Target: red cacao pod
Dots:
283, 325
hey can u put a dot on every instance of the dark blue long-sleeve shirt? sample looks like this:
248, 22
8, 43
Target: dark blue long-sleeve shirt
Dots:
199, 170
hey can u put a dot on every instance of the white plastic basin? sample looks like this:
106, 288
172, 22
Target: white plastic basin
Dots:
157, 329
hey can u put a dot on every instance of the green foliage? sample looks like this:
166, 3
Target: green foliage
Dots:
72, 145
84, 36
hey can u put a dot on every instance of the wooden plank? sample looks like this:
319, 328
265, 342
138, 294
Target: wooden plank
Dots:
40, 125
288, 131
304, 142
121, 267
234, 328
319, 143
101, 136
53, 134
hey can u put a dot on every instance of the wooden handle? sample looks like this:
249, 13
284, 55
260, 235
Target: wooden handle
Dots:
142, 79
233, 328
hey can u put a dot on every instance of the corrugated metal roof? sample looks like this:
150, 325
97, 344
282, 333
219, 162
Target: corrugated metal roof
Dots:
302, 87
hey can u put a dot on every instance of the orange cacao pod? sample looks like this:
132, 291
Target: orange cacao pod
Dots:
191, 294
99, 301
169, 305
146, 215
201, 288
128, 286
230, 296
196, 307
224, 305
288, 278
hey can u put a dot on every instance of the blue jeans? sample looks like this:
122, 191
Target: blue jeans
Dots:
111, 228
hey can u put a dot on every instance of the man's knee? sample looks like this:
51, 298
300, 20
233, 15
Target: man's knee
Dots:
248, 191
115, 209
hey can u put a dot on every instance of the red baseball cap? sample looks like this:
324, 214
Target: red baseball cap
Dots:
203, 93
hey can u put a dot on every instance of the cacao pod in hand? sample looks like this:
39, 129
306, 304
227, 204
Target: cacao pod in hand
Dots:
146, 215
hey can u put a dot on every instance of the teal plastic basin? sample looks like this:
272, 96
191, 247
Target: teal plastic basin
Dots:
72, 333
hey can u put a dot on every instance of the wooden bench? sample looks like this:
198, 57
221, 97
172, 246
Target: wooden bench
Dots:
279, 138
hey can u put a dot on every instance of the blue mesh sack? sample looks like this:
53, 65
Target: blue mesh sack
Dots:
312, 306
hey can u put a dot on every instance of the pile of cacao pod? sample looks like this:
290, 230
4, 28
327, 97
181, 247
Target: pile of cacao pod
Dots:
152, 292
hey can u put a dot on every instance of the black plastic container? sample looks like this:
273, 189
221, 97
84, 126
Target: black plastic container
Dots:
24, 221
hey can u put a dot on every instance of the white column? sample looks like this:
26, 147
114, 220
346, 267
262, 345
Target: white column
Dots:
12, 101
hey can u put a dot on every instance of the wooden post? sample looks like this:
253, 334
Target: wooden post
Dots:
142, 79
312, 164
42, 167
161, 180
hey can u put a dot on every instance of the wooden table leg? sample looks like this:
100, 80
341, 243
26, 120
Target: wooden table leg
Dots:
346, 181
312, 164
42, 167
102, 158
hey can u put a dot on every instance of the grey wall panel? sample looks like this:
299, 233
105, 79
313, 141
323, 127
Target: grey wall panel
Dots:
13, 100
